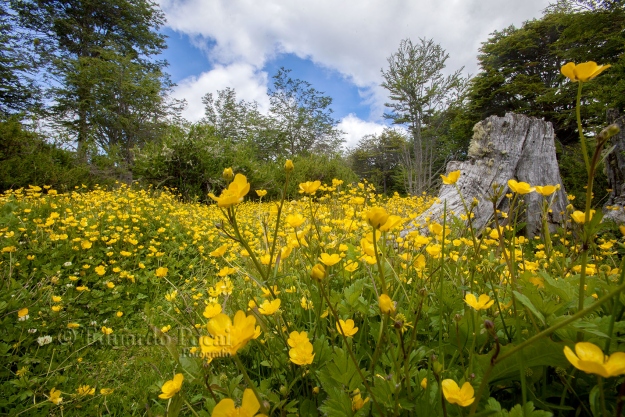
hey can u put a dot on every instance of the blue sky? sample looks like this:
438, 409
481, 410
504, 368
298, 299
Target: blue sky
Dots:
339, 46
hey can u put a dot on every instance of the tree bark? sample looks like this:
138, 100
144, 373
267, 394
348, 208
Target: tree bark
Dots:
503, 148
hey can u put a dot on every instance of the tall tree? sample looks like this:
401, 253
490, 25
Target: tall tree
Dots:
419, 91
300, 118
520, 68
233, 120
17, 89
377, 159
78, 35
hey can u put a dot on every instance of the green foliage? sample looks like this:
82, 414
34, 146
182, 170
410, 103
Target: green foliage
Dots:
520, 69
26, 159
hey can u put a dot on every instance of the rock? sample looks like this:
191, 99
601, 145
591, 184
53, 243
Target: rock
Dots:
615, 171
510, 147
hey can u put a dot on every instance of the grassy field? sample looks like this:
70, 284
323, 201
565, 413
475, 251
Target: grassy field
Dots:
130, 302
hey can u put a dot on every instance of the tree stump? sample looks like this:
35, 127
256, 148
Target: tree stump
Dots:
502, 148
615, 171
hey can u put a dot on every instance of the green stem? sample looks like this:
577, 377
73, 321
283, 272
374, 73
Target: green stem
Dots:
379, 263
582, 139
263, 408
614, 309
601, 396
190, 408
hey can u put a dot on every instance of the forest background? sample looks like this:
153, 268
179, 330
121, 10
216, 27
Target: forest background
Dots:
85, 100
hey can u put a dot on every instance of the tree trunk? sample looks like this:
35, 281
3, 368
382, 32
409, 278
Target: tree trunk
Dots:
504, 148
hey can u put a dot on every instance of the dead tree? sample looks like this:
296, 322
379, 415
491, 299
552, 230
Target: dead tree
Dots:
510, 147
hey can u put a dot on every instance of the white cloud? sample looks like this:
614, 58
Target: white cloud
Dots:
356, 128
354, 37
250, 85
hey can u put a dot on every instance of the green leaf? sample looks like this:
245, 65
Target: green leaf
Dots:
543, 352
527, 303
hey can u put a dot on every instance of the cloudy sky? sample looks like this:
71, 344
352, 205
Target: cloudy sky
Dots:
339, 46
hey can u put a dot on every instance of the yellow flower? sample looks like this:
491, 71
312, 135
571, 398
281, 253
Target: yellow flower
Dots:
85, 390
590, 359
211, 310
267, 308
161, 272
230, 335
106, 391
329, 260
386, 304
56, 308
261, 193
390, 223
288, 166
82, 288
119, 313
452, 178
547, 190
73, 325
309, 187
483, 303
56, 299
519, 187
110, 285
171, 296
22, 313
456, 395
100, 270
85, 244
107, 330
228, 174
295, 220
235, 192
301, 352
357, 401
578, 217
376, 217
318, 272
55, 396
582, 72
346, 327
424, 383
249, 406
171, 387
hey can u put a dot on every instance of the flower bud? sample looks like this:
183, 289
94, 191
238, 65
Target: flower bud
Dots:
318, 272
288, 166
228, 174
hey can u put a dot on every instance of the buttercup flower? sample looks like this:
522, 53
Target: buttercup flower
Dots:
357, 401
267, 308
288, 166
235, 192
229, 335
301, 352
228, 174
211, 310
329, 260
107, 330
309, 187
261, 193
376, 217
22, 314
452, 178
590, 359
55, 396
161, 272
85, 390
582, 72
171, 387
249, 406
346, 327
520, 187
546, 190
483, 303
318, 272
386, 304
456, 395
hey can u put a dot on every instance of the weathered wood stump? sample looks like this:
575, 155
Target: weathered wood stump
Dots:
510, 147
615, 170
